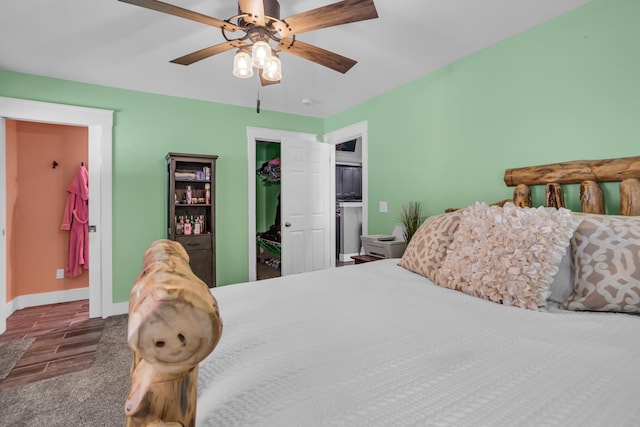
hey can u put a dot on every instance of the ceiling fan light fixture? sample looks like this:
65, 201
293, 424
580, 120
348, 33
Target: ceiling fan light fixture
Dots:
242, 65
261, 54
260, 22
273, 72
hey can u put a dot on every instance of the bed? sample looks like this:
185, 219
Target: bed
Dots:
496, 315
377, 345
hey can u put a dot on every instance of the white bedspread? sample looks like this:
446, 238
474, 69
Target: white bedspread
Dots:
375, 345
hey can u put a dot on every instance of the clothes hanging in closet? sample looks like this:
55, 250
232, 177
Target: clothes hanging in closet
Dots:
76, 221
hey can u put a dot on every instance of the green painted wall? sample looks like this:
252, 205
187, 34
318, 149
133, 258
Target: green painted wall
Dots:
146, 128
566, 90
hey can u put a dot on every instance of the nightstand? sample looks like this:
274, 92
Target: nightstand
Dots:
361, 259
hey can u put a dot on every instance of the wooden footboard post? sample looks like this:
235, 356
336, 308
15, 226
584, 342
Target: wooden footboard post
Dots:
173, 325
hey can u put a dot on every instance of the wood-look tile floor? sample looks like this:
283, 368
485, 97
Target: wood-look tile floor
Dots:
65, 341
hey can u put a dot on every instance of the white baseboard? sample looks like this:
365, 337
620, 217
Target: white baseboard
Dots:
34, 300
347, 257
116, 308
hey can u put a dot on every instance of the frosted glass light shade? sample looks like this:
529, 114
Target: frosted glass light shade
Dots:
242, 65
261, 54
273, 72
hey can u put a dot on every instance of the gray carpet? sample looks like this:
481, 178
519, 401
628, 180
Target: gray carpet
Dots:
10, 354
92, 397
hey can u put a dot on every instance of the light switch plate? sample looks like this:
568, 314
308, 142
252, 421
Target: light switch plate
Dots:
383, 207
60, 273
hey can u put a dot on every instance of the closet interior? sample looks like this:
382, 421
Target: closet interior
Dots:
268, 241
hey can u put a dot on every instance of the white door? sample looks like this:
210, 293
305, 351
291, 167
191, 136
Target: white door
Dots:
306, 210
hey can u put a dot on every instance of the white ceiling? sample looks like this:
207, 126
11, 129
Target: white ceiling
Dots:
111, 43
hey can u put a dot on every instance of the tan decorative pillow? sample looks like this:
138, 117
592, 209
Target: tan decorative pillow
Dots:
507, 255
428, 246
607, 264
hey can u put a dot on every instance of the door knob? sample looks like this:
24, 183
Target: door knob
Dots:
287, 224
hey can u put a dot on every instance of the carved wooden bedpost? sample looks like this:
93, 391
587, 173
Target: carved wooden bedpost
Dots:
554, 196
630, 197
522, 196
173, 325
591, 197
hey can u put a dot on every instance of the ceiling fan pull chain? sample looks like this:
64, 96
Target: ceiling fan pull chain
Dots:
258, 101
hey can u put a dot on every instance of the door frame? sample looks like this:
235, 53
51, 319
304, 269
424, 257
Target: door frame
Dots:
255, 134
100, 141
354, 131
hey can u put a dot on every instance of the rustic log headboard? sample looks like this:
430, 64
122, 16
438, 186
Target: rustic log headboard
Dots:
587, 173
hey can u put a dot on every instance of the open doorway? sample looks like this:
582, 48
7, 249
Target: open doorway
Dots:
42, 161
348, 199
351, 190
259, 137
358, 130
306, 195
268, 223
99, 124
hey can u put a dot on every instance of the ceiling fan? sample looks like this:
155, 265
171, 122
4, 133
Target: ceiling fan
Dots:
260, 22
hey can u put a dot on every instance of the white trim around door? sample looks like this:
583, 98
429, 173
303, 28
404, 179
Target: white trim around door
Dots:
261, 134
99, 123
355, 131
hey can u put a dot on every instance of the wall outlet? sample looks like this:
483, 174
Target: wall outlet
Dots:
383, 207
60, 273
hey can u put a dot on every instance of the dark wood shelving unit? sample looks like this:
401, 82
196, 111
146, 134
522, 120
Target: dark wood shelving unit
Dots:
193, 174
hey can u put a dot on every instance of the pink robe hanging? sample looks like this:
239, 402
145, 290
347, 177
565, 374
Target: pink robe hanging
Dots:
76, 220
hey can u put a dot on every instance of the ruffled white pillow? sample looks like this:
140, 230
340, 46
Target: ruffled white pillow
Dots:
508, 254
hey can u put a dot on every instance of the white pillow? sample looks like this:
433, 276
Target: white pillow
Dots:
507, 255
562, 286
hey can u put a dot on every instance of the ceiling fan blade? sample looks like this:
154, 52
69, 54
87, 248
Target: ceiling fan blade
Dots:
255, 8
201, 54
183, 13
265, 82
338, 13
318, 55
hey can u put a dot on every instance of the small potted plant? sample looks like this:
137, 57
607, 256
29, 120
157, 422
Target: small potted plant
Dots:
411, 218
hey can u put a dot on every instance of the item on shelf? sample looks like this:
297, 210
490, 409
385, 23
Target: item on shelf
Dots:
271, 169
188, 194
185, 175
207, 193
273, 263
180, 225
